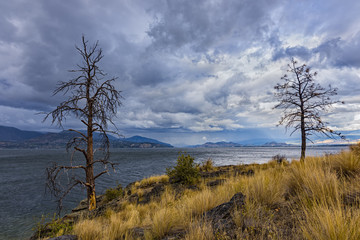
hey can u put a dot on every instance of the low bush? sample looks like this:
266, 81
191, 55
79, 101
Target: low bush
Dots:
54, 228
113, 193
207, 165
186, 170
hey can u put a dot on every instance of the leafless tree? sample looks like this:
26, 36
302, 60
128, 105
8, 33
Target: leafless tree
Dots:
94, 100
303, 101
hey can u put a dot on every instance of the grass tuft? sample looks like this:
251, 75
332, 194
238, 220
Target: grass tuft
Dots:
266, 188
330, 223
346, 164
89, 229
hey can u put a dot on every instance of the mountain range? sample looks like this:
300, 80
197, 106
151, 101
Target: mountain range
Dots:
11, 137
232, 144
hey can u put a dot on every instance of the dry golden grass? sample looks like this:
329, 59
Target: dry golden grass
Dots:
266, 188
346, 163
199, 230
89, 229
151, 180
331, 223
313, 190
163, 221
313, 181
260, 218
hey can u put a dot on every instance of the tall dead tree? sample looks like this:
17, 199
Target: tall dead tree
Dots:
94, 100
303, 101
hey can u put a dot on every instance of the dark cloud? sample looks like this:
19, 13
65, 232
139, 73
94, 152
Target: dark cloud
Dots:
208, 67
210, 24
341, 53
334, 52
297, 51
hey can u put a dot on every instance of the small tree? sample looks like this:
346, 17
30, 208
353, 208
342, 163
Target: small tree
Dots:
94, 101
186, 170
303, 100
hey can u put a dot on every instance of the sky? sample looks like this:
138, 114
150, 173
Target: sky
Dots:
189, 71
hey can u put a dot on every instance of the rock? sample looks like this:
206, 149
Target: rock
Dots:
220, 216
83, 205
215, 182
351, 199
138, 232
65, 237
155, 192
175, 235
213, 174
244, 173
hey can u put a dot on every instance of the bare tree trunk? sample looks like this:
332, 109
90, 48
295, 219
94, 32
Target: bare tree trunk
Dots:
91, 195
90, 168
303, 138
102, 99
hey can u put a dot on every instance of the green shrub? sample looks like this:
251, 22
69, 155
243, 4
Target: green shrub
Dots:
53, 227
207, 165
113, 193
185, 171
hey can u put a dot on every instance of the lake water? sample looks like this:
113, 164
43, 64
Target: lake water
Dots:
22, 176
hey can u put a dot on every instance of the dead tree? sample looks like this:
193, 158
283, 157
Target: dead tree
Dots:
303, 101
94, 100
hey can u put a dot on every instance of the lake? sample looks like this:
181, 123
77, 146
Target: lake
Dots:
23, 199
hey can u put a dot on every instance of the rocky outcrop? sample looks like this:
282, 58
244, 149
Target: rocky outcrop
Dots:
220, 217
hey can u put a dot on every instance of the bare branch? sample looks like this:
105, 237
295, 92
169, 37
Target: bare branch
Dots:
103, 172
303, 101
94, 101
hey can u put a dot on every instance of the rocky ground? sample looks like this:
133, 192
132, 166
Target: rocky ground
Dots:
220, 216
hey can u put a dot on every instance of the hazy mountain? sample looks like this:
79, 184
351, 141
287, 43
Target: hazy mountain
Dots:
276, 144
218, 145
139, 139
232, 144
10, 134
15, 138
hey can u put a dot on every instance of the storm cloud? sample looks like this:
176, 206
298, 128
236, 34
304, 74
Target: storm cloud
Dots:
188, 70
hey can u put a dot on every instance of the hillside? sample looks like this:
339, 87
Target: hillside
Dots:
11, 134
15, 138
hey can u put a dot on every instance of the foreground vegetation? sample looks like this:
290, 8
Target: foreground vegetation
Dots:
315, 199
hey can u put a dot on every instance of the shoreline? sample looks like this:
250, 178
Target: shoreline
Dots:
278, 199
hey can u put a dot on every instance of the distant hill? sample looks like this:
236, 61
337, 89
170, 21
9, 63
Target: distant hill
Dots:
232, 144
139, 139
218, 145
11, 134
276, 144
15, 138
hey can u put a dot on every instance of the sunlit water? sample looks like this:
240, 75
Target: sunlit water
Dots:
22, 177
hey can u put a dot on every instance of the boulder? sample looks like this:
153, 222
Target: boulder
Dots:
221, 216
215, 182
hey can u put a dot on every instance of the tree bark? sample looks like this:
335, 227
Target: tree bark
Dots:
90, 168
90, 180
303, 140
